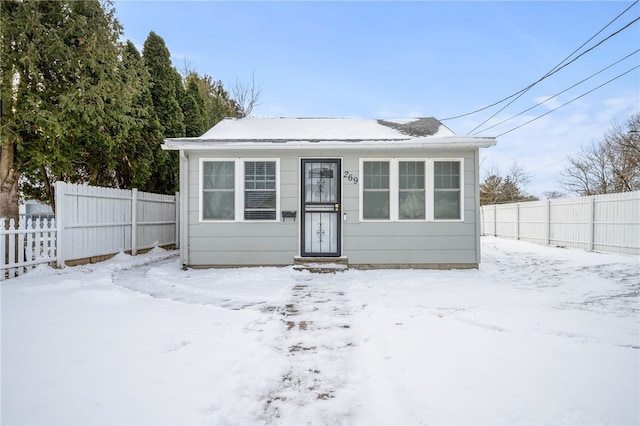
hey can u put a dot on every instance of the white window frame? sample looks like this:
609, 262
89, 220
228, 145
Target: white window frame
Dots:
201, 189
394, 189
392, 184
239, 190
432, 188
427, 168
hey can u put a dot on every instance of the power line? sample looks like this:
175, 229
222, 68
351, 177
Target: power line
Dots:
548, 165
568, 102
549, 73
555, 71
556, 95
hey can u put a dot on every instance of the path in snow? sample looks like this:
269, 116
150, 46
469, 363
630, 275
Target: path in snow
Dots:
317, 326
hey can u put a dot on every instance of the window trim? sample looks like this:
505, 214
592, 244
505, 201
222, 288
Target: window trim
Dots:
239, 194
426, 188
394, 189
432, 188
362, 191
201, 189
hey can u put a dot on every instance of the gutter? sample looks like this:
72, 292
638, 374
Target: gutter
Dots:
415, 143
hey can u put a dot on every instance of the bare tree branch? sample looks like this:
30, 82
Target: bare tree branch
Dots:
246, 96
609, 166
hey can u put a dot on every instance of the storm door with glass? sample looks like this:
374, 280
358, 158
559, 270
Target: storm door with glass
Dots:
321, 210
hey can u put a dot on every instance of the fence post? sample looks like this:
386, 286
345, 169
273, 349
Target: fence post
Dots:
12, 247
60, 223
20, 255
177, 205
591, 233
3, 241
548, 224
495, 221
134, 221
517, 221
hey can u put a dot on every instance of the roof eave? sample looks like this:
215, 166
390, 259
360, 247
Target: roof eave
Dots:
459, 142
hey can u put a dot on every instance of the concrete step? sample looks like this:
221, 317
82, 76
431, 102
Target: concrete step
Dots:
321, 264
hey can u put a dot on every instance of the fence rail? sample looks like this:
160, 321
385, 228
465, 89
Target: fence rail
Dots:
91, 222
607, 223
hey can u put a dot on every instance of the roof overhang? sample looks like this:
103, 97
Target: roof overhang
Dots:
433, 142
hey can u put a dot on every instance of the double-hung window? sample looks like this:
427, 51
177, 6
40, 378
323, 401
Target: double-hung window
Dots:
375, 191
218, 190
239, 190
411, 189
446, 190
259, 190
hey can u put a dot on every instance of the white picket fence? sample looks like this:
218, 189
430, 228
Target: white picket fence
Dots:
91, 222
606, 223
26, 246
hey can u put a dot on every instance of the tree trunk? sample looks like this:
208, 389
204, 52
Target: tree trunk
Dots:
48, 188
9, 176
9, 194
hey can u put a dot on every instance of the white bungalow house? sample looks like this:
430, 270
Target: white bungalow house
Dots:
367, 193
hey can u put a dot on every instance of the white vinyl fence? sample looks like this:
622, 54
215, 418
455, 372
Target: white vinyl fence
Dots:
607, 223
91, 222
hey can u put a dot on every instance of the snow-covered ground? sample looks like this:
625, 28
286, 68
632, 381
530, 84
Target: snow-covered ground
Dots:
537, 335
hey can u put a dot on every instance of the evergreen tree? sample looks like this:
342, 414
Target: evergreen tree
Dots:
495, 189
490, 190
217, 102
137, 154
195, 117
62, 95
165, 86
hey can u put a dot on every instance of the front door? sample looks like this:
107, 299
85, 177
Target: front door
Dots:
320, 225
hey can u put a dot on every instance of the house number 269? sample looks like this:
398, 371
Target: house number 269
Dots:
350, 177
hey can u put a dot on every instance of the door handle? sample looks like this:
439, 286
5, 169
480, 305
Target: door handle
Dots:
336, 207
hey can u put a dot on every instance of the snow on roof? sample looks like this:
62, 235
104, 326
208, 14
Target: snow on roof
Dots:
335, 129
296, 133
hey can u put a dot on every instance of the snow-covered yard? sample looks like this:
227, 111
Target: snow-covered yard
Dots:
536, 335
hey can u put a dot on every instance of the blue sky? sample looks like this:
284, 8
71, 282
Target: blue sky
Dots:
415, 59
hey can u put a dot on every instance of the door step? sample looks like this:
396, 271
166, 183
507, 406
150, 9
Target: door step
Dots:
321, 264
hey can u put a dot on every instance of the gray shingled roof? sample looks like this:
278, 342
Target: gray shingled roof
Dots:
426, 126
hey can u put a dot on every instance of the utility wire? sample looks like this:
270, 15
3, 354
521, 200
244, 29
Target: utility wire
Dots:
556, 95
568, 102
553, 70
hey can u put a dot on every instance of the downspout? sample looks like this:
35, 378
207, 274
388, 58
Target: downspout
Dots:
184, 209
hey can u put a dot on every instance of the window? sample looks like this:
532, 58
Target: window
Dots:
411, 190
375, 190
446, 190
260, 190
218, 190
239, 190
